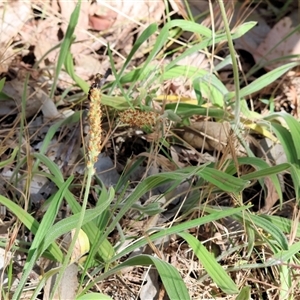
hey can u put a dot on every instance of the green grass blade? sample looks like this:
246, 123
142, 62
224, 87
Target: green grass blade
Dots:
210, 85
284, 224
2, 82
269, 171
186, 110
35, 249
221, 180
264, 170
286, 141
286, 255
105, 251
245, 294
11, 159
30, 223
208, 41
293, 125
269, 228
295, 173
146, 34
161, 40
262, 81
69, 65
173, 283
51, 132
66, 225
224, 181
169, 231
257, 221
53, 168
179, 228
65, 46
214, 270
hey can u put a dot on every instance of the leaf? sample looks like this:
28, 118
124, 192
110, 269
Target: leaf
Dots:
35, 248
224, 181
214, 270
11, 159
65, 225
211, 87
262, 81
65, 46
186, 110
282, 41
264, 170
146, 34
31, 224
292, 124
216, 215
245, 293
173, 283
274, 232
2, 82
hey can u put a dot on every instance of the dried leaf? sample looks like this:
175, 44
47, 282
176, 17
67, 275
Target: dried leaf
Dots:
67, 287
208, 135
272, 196
151, 288
82, 246
279, 43
15, 89
14, 14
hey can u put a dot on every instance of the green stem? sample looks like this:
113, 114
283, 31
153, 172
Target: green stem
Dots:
90, 173
234, 66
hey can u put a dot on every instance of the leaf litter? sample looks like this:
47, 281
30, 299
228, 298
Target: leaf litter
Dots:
44, 30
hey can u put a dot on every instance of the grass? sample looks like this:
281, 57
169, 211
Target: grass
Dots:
271, 243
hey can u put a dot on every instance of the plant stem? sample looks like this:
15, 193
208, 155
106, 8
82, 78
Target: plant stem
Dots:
234, 66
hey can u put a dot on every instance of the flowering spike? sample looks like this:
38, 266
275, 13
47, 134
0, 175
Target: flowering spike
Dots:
95, 119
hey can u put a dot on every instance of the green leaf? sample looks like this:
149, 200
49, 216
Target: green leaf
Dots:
105, 251
245, 294
67, 224
284, 224
179, 228
11, 159
224, 181
30, 223
2, 82
53, 168
264, 170
51, 132
268, 171
146, 34
285, 138
293, 126
35, 250
173, 283
243, 28
209, 40
256, 221
262, 81
4, 97
214, 270
65, 46
69, 65
259, 221
211, 87
186, 110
